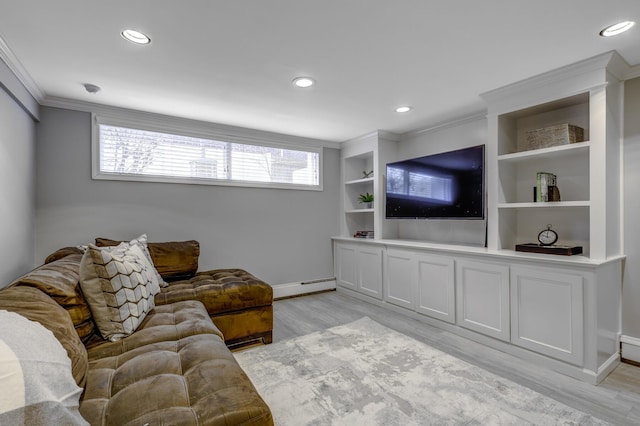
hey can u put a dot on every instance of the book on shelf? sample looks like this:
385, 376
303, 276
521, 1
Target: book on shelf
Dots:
363, 234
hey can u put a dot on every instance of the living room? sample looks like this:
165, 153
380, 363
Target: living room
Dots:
282, 236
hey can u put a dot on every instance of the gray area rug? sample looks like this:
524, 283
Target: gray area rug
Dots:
363, 373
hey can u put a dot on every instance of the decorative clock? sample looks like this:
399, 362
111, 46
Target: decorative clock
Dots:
547, 237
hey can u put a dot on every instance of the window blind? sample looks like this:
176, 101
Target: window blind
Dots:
132, 152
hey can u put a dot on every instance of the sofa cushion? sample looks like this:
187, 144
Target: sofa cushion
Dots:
192, 381
221, 291
175, 260
63, 252
60, 279
163, 323
35, 375
120, 285
34, 305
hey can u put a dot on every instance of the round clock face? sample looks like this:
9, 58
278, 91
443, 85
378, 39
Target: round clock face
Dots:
548, 236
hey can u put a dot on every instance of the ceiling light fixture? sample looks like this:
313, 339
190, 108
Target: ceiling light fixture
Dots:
403, 109
303, 82
135, 37
616, 29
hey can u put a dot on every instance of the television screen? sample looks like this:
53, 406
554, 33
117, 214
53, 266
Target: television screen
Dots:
449, 185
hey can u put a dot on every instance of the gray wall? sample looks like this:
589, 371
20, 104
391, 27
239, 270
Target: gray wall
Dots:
17, 187
465, 134
282, 236
631, 158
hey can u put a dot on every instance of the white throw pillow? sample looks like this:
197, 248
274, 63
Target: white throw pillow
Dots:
141, 241
119, 284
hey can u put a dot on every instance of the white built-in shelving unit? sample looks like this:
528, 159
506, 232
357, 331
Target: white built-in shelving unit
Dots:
560, 312
369, 153
589, 95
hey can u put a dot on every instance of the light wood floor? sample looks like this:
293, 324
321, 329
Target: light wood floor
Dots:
616, 399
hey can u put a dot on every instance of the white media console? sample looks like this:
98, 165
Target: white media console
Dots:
562, 313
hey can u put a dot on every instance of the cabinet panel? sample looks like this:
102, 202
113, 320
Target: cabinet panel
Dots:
370, 271
482, 298
346, 266
436, 287
400, 278
547, 312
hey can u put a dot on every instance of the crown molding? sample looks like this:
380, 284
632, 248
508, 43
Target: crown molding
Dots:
610, 61
480, 115
21, 73
634, 72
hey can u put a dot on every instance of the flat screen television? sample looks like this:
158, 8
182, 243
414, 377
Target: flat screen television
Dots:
449, 185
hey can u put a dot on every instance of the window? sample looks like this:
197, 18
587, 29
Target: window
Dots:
128, 153
410, 184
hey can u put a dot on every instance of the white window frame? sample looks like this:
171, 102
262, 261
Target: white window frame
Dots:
197, 130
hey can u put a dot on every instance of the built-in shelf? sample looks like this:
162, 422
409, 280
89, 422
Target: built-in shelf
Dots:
545, 153
359, 181
556, 204
359, 211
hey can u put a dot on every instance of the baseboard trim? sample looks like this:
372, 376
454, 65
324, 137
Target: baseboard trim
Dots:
630, 348
283, 291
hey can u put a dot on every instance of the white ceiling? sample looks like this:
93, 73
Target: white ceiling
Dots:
232, 62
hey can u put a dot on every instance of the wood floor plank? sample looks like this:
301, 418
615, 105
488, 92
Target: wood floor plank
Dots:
616, 399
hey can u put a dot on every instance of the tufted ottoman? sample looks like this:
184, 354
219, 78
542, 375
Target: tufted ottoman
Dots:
239, 304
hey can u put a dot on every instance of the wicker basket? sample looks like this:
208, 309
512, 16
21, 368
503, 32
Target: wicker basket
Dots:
562, 134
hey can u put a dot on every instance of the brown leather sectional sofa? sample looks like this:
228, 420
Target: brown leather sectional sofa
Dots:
175, 368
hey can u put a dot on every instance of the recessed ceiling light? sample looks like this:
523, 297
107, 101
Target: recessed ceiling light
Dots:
403, 109
616, 29
303, 82
135, 37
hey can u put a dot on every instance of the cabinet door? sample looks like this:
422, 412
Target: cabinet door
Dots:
547, 312
482, 298
400, 278
370, 271
346, 266
435, 287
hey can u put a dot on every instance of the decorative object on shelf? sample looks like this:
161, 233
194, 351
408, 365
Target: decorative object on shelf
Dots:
366, 174
561, 250
363, 234
553, 194
546, 244
548, 236
546, 188
562, 134
366, 199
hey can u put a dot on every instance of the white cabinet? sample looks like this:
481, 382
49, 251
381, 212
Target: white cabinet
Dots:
547, 312
370, 271
400, 278
483, 297
560, 312
436, 286
346, 265
359, 268
420, 282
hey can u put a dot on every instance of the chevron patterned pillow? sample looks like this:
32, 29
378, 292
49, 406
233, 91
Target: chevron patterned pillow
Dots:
119, 284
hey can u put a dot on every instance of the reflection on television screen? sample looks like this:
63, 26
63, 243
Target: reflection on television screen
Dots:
448, 185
